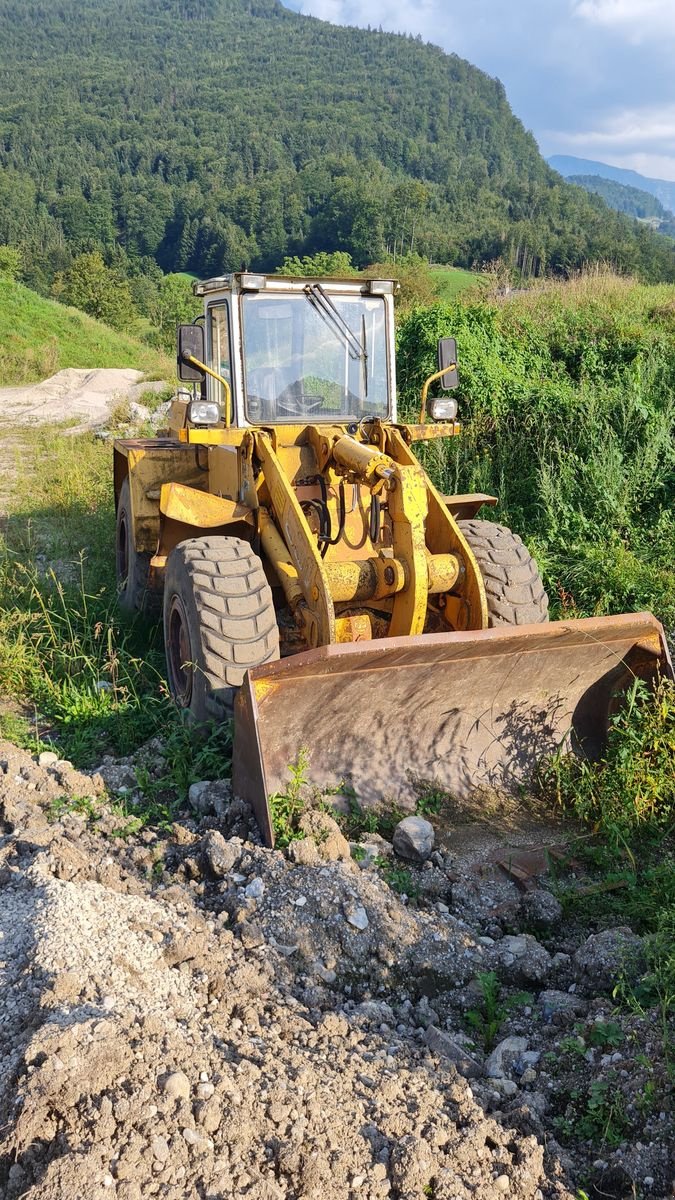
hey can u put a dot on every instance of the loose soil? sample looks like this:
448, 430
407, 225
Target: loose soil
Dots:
186, 1014
85, 397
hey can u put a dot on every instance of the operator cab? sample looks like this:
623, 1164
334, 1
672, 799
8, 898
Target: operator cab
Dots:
290, 350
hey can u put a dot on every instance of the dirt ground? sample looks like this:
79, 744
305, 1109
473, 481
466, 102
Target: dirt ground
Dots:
86, 397
186, 1014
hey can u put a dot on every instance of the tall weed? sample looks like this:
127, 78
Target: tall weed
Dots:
567, 397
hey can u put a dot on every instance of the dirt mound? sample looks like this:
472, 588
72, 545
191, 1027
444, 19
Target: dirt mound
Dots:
86, 396
186, 1014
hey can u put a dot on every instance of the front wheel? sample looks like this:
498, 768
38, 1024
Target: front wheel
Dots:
513, 586
219, 619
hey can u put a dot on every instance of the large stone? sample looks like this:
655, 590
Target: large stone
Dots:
176, 1085
356, 916
304, 852
541, 907
497, 1063
219, 856
564, 1004
446, 1047
605, 957
211, 797
522, 959
414, 839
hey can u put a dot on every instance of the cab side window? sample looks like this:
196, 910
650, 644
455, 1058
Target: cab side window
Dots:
219, 349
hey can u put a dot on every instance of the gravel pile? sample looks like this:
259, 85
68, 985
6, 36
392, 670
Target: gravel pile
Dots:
189, 1015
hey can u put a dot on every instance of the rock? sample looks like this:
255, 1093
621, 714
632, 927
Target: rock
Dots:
251, 934
117, 776
522, 959
541, 908
445, 1046
605, 956
255, 890
160, 1149
503, 1183
331, 844
304, 852
414, 839
48, 759
508, 1048
176, 1085
564, 1003
373, 847
505, 1087
356, 916
218, 855
211, 797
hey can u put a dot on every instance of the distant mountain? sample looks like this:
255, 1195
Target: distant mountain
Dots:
663, 189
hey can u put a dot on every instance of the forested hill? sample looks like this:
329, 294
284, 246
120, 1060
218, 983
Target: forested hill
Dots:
631, 200
623, 198
205, 133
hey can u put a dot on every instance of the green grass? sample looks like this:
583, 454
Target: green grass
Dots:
567, 398
451, 281
39, 337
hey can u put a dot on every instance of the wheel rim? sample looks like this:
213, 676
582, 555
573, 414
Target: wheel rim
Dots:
122, 551
179, 654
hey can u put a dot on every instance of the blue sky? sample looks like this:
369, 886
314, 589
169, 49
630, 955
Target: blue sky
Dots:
594, 78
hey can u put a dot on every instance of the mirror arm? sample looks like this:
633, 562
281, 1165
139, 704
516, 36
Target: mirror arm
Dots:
427, 385
194, 362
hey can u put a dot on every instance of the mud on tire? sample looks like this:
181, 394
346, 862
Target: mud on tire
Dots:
219, 619
515, 592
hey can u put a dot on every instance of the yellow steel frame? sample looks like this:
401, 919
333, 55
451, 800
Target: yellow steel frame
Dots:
426, 556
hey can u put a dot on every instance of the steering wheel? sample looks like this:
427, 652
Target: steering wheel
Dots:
295, 401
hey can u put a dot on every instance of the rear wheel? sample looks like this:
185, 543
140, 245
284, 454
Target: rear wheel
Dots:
219, 620
513, 586
132, 568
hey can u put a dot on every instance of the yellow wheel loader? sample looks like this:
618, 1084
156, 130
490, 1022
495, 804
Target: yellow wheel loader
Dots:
314, 580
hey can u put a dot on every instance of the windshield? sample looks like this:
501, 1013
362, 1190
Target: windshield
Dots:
314, 355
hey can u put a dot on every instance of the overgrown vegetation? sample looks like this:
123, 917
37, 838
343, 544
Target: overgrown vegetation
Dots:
567, 398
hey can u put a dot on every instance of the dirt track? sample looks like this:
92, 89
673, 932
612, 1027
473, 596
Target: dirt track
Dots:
84, 396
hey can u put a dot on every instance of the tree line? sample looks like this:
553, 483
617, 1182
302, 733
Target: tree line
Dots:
199, 135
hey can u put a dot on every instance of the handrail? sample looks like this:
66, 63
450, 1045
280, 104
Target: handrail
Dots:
194, 362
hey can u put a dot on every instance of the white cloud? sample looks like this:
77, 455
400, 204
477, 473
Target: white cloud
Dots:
636, 129
638, 20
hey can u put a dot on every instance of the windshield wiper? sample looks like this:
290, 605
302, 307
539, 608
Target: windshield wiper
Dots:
324, 306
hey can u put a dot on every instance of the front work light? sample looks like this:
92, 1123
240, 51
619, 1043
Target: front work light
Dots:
203, 412
252, 283
382, 287
443, 408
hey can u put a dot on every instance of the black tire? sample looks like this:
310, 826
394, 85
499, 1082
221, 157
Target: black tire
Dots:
219, 620
131, 567
515, 592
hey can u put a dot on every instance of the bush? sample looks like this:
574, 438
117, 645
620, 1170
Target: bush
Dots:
567, 398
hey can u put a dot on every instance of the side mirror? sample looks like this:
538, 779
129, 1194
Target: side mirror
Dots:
447, 357
190, 343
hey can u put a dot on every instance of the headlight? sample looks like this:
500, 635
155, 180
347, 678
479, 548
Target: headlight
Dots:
203, 412
443, 408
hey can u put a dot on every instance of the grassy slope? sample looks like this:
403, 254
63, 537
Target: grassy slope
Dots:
39, 337
453, 280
